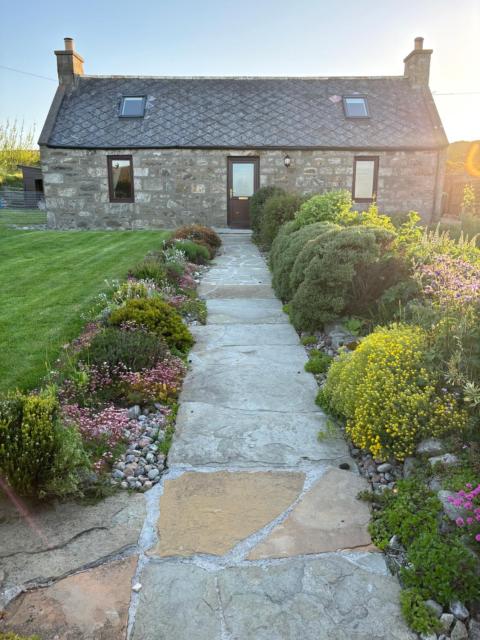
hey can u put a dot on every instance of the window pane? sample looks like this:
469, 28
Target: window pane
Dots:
243, 178
364, 178
133, 107
356, 107
121, 179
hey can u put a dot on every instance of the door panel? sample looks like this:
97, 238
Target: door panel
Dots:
243, 180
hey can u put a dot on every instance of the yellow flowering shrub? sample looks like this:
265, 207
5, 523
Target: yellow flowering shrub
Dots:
388, 395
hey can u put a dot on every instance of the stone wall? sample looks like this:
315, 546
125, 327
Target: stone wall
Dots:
175, 186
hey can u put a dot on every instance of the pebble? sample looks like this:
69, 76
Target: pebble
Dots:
459, 631
434, 607
428, 636
459, 610
384, 468
134, 412
136, 587
153, 474
446, 620
118, 474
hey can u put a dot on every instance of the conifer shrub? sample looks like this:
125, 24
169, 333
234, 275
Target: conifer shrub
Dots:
285, 249
343, 271
257, 203
277, 210
388, 395
158, 317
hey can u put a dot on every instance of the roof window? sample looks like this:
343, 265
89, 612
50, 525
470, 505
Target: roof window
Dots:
355, 107
132, 107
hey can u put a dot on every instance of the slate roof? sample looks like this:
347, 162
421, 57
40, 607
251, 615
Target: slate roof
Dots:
245, 113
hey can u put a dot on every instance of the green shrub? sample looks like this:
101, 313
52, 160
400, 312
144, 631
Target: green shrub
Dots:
285, 249
388, 395
318, 362
14, 636
150, 268
416, 613
413, 509
137, 350
277, 210
257, 202
37, 454
201, 235
442, 569
197, 253
326, 207
157, 317
341, 272
306, 340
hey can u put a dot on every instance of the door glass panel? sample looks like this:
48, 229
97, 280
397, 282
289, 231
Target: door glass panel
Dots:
243, 179
364, 175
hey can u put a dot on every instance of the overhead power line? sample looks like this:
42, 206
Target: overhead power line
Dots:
27, 73
457, 93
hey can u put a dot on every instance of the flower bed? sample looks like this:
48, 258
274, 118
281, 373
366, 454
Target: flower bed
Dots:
105, 415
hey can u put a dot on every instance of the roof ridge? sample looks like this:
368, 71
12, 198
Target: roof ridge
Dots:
136, 77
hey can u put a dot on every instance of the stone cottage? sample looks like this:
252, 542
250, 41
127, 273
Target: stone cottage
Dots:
145, 152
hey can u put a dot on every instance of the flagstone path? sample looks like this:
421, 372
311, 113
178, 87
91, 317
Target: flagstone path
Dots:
255, 532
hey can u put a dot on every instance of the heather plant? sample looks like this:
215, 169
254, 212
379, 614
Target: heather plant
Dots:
134, 350
161, 383
388, 394
196, 253
257, 203
158, 317
327, 207
277, 210
150, 268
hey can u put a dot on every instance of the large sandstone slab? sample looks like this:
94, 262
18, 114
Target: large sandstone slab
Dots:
212, 512
207, 434
333, 598
329, 517
58, 538
226, 291
262, 378
92, 605
242, 335
245, 312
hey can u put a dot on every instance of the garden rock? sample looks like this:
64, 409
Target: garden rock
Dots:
134, 412
434, 607
446, 620
459, 631
409, 466
474, 629
339, 336
430, 447
449, 508
428, 636
459, 610
384, 468
447, 459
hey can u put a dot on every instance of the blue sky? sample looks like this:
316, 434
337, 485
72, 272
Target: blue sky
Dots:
243, 37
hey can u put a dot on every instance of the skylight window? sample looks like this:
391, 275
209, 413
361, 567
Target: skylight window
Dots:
355, 107
132, 107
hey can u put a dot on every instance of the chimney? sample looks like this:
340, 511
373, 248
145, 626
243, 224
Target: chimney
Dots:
69, 63
417, 65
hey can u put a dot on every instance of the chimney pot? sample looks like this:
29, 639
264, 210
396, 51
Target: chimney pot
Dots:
68, 44
418, 44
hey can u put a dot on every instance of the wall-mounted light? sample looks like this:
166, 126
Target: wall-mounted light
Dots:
287, 161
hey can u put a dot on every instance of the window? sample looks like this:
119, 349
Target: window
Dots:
120, 178
355, 107
365, 178
132, 107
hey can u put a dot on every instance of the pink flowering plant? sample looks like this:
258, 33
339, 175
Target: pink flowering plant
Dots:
468, 500
161, 383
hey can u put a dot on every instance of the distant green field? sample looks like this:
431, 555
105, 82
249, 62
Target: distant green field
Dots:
47, 280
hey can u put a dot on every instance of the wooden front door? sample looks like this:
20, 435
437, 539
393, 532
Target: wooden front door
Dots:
242, 182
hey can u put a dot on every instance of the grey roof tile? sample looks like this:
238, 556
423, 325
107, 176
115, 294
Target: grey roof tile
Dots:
246, 112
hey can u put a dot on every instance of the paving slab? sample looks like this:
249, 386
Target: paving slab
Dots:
262, 378
209, 513
245, 312
329, 517
207, 435
92, 605
229, 291
332, 598
242, 335
58, 538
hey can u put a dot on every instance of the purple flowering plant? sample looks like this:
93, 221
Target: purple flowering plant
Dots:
468, 500
450, 281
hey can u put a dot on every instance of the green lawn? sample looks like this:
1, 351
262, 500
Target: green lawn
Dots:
47, 280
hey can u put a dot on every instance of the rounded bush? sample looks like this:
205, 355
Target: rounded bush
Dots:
136, 350
150, 268
277, 210
388, 395
158, 317
195, 252
341, 272
285, 249
257, 203
202, 235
